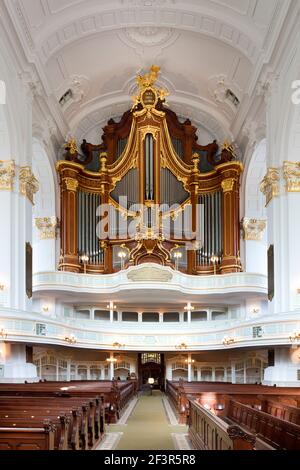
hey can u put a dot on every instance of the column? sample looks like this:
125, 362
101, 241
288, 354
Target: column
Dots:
190, 368
88, 372
14, 361
102, 367
213, 374
245, 373
69, 370
112, 367
161, 318
231, 221
233, 377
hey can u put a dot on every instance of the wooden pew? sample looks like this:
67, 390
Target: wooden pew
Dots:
14, 438
280, 434
214, 394
280, 410
208, 432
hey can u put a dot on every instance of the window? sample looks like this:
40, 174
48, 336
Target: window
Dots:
82, 314
151, 357
41, 329
257, 332
130, 316
150, 317
66, 97
102, 315
219, 316
199, 316
298, 375
171, 317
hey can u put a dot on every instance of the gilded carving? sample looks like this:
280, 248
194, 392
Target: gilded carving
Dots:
254, 229
149, 274
149, 94
71, 184
291, 172
7, 174
29, 185
228, 185
47, 227
270, 184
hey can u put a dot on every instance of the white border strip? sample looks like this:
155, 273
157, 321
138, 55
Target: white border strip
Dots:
169, 412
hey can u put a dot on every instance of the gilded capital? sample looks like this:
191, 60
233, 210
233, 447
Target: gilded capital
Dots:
228, 185
47, 227
29, 185
71, 184
254, 229
270, 184
7, 175
291, 172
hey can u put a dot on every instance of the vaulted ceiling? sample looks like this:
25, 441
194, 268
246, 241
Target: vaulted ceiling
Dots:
95, 48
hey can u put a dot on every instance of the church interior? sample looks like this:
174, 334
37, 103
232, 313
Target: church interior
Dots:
150, 225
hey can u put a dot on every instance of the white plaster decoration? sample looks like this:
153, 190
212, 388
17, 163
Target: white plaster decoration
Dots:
7, 175
254, 229
47, 227
150, 274
148, 41
79, 86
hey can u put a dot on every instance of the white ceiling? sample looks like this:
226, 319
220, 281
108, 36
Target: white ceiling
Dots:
96, 48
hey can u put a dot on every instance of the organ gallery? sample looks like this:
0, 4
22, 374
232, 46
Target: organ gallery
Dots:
149, 230
150, 193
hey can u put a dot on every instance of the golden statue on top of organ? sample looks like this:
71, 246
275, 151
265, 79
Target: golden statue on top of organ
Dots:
150, 194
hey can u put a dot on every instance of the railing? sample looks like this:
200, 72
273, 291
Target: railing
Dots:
21, 326
208, 432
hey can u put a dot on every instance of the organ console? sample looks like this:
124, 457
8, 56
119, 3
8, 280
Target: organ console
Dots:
151, 192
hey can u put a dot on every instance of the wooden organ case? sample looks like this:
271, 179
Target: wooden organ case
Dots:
150, 194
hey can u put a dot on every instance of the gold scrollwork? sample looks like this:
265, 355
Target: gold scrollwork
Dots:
29, 185
270, 184
228, 185
291, 172
254, 229
47, 227
71, 184
7, 174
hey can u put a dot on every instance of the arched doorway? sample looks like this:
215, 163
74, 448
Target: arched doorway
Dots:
152, 366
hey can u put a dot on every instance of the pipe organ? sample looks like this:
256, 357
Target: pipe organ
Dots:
150, 194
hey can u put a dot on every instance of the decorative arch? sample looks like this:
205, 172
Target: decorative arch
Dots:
45, 214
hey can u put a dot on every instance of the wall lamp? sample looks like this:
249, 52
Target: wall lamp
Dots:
227, 341
190, 361
181, 346
3, 333
112, 360
295, 336
2, 287
118, 345
71, 339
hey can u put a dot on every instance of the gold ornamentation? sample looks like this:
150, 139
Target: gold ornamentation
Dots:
150, 274
103, 162
71, 184
71, 145
196, 161
270, 184
228, 147
29, 185
7, 174
228, 185
47, 227
291, 172
149, 94
254, 229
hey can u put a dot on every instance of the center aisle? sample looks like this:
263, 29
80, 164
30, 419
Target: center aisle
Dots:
148, 427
